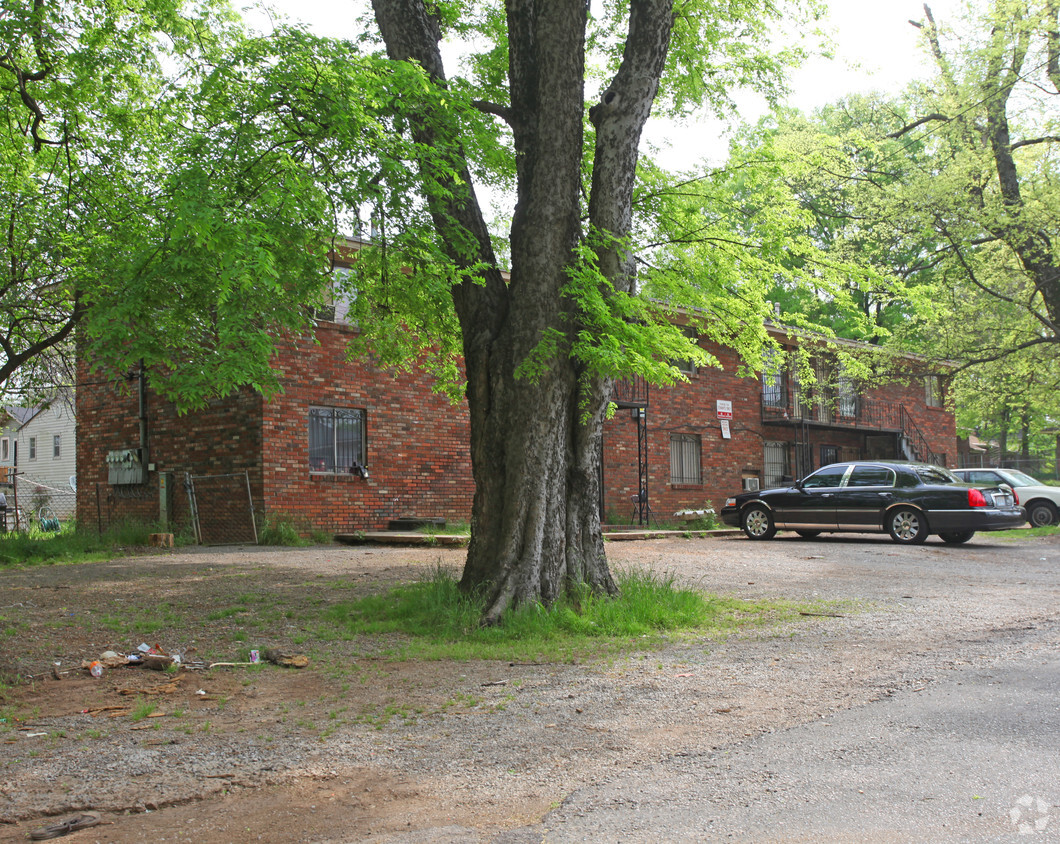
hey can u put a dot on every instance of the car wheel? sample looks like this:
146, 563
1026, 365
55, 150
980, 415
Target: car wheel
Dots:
808, 534
758, 523
957, 537
907, 526
1041, 514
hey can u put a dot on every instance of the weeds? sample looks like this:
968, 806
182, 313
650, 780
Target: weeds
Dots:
286, 529
434, 620
73, 545
142, 709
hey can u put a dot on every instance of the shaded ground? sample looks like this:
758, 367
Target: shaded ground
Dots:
359, 747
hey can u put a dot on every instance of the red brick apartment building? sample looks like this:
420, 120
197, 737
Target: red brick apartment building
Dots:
348, 447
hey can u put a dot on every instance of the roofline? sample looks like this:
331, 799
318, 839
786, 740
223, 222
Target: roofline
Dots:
778, 329
354, 243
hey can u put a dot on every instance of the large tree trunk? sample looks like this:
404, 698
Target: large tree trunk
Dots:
535, 441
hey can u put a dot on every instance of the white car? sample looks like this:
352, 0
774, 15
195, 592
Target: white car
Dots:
1041, 502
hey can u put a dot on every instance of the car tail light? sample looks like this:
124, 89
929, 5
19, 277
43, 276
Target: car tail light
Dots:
1015, 497
976, 498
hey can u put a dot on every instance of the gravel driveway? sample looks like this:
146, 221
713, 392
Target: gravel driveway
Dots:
355, 748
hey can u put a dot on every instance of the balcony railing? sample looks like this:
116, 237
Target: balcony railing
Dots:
862, 413
630, 392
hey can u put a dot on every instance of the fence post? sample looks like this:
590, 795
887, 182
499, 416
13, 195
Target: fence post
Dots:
193, 506
250, 504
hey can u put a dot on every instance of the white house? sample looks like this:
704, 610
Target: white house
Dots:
11, 419
38, 455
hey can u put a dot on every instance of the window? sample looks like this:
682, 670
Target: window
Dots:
338, 297
932, 391
871, 476
336, 440
935, 475
685, 451
685, 365
5, 449
829, 454
776, 464
57, 446
846, 397
829, 477
32, 448
774, 388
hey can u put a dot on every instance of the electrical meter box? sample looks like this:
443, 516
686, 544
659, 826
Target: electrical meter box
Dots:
125, 467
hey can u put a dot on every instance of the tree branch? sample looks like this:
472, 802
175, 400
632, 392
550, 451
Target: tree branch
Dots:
486, 107
1046, 139
919, 122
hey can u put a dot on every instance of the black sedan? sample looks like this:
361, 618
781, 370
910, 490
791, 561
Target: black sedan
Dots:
909, 501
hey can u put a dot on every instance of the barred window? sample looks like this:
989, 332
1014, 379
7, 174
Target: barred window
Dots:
774, 388
685, 452
336, 440
847, 396
776, 464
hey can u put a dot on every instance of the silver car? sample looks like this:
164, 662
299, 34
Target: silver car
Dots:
1041, 502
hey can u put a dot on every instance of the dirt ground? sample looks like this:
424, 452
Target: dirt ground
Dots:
360, 747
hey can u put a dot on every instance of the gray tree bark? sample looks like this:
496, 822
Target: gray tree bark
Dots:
535, 444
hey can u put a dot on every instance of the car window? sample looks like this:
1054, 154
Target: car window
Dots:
988, 478
871, 476
1016, 478
936, 475
828, 476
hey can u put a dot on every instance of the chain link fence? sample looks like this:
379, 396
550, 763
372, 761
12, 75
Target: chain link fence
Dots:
31, 500
1041, 468
120, 504
222, 509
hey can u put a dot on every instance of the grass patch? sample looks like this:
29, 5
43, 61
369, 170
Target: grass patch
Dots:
433, 620
449, 529
1022, 533
279, 528
142, 709
72, 545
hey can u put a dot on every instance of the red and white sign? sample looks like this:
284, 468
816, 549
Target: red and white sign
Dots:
724, 409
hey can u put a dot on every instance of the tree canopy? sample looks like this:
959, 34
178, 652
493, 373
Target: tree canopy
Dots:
165, 188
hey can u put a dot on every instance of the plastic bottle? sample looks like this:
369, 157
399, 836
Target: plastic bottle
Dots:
95, 668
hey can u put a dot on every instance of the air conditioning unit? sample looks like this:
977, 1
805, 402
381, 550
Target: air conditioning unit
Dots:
751, 485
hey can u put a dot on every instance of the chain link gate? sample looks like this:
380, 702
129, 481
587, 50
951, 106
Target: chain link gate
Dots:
222, 509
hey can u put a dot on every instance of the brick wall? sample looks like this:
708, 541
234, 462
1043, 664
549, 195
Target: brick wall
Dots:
417, 442
221, 438
418, 456
691, 408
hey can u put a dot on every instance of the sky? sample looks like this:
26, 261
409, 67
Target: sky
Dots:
876, 49
875, 36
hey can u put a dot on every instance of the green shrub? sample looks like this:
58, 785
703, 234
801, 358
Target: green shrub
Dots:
284, 529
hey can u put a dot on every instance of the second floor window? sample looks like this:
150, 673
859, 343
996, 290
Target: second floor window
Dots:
32, 448
774, 383
933, 391
57, 446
